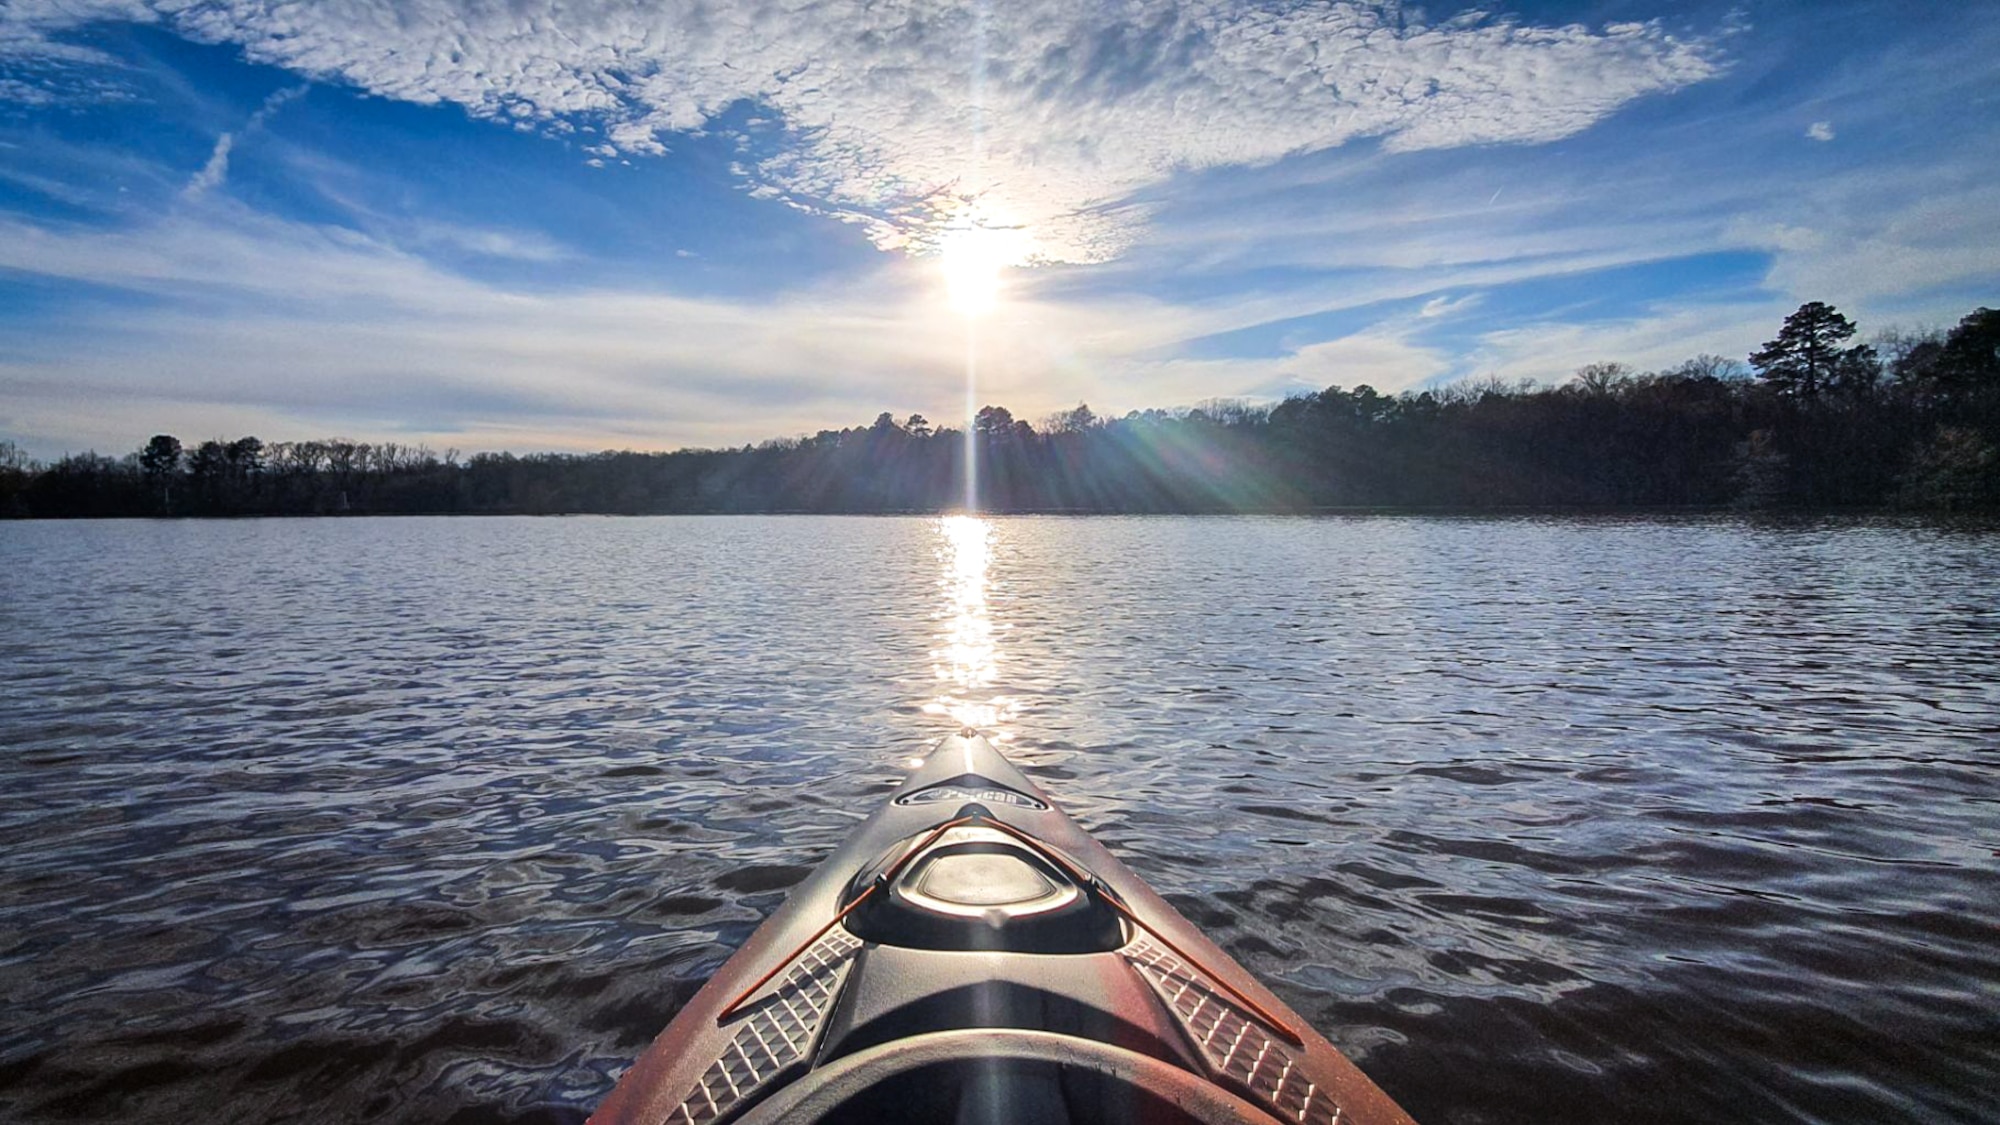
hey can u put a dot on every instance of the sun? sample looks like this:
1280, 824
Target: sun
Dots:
971, 259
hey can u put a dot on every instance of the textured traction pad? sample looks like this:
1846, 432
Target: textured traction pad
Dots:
778, 1032
1235, 1046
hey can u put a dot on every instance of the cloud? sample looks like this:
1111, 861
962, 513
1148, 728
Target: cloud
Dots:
213, 172
1447, 305
25, 93
909, 119
1385, 358
481, 242
231, 318
1387, 355
1820, 131
1549, 352
30, 29
1884, 239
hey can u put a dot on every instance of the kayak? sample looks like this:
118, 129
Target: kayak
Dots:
971, 955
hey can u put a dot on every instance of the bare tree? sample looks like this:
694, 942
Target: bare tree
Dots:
1075, 421
1708, 365
1602, 378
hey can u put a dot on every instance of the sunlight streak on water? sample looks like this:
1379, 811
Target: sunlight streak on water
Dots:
966, 661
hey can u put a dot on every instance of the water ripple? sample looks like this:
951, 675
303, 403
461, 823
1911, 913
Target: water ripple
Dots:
1545, 820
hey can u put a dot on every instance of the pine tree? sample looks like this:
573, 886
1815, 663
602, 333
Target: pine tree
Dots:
1807, 355
1970, 357
160, 460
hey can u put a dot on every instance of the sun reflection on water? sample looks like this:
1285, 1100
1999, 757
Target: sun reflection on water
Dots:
966, 661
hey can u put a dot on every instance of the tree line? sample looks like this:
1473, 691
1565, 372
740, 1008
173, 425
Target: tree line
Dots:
1911, 419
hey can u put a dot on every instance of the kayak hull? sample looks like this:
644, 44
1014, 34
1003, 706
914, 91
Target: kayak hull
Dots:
970, 946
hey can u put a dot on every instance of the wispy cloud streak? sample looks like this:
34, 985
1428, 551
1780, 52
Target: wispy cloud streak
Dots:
217, 168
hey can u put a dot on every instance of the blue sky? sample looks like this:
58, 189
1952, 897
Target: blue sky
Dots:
578, 225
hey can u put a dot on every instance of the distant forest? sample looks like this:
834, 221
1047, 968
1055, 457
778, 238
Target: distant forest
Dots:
1911, 419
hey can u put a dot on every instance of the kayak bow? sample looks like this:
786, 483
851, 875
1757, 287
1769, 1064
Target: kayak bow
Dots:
970, 954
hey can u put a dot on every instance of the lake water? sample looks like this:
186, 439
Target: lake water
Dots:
1542, 820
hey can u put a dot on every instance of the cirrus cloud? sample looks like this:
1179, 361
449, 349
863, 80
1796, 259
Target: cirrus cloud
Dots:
912, 119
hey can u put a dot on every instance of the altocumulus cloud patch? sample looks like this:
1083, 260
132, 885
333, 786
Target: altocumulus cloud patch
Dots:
913, 118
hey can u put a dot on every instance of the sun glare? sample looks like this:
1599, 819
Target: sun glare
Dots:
971, 259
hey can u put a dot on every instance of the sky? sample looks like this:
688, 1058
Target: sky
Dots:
580, 225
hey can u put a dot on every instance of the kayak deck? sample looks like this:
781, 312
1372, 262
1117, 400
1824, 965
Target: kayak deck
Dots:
971, 954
